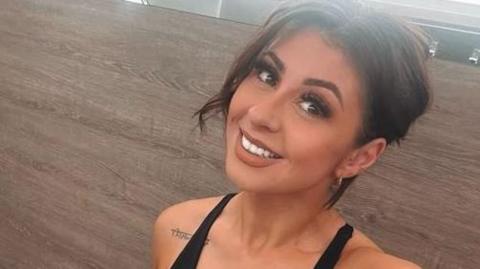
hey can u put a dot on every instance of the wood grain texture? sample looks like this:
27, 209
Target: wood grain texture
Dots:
96, 137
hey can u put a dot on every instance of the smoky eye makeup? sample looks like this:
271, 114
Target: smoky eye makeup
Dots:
310, 101
266, 72
315, 105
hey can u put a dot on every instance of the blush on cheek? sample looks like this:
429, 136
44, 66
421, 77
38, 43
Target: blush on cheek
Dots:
317, 157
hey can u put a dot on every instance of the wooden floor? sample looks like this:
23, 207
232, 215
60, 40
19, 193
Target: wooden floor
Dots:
96, 137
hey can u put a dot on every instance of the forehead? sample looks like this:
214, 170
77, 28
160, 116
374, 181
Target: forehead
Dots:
306, 53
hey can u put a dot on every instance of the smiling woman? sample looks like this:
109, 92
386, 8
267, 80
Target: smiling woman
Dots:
311, 102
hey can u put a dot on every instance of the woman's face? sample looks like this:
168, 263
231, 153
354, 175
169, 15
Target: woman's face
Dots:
300, 102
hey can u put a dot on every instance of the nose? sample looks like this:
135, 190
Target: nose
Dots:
265, 115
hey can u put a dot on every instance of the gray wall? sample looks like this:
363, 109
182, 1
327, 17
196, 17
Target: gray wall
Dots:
455, 25
254, 12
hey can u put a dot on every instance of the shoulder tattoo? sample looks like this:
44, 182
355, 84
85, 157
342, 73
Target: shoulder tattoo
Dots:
183, 235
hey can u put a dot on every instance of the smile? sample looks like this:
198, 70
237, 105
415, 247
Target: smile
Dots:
254, 152
251, 147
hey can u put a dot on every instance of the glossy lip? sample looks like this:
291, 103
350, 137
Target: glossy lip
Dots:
259, 143
252, 159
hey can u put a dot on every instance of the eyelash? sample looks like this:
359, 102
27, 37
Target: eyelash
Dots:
321, 108
262, 66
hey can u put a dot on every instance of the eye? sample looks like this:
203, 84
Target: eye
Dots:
266, 77
314, 105
266, 73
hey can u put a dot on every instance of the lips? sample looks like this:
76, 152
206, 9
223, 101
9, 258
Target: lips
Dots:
260, 144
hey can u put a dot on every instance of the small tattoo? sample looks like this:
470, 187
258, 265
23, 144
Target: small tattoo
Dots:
184, 235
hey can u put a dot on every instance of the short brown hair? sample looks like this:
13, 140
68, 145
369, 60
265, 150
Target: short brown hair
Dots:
388, 53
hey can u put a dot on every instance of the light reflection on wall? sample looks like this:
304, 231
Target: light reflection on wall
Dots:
454, 24
143, 2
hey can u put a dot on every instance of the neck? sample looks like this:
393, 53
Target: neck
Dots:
268, 221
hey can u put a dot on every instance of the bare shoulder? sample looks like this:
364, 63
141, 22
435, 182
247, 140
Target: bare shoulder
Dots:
187, 211
362, 253
372, 257
185, 216
174, 226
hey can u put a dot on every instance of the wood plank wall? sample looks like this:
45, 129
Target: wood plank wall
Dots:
96, 137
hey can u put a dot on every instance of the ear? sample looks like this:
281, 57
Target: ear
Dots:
361, 158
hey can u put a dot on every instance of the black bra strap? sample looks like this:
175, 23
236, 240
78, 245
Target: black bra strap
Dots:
190, 255
332, 253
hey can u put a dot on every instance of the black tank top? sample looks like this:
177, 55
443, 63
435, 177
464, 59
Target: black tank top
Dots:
190, 255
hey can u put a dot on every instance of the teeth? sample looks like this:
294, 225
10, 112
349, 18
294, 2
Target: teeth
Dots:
254, 149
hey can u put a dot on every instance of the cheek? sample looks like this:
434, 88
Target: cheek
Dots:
239, 103
314, 153
238, 107
235, 104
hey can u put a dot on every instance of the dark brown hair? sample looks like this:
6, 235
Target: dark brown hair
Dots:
388, 53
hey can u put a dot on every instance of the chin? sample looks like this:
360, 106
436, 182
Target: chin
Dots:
249, 181
240, 178
248, 178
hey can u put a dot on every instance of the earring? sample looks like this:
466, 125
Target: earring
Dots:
337, 185
339, 181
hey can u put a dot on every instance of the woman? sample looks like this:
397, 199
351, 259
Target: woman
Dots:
310, 103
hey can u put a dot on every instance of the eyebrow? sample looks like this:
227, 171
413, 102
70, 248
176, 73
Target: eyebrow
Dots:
325, 84
276, 61
308, 81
